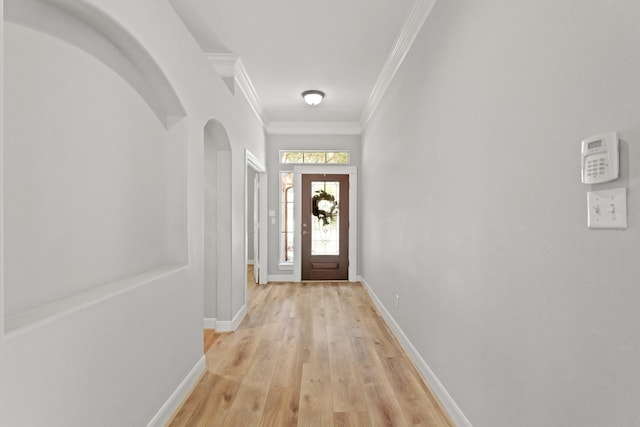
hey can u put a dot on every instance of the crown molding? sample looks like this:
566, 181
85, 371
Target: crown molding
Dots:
314, 128
223, 63
230, 65
411, 29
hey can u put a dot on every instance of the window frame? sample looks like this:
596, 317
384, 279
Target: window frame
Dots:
289, 168
282, 263
282, 152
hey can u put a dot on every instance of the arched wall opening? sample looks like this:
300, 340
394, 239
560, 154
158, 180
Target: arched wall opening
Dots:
94, 163
217, 225
104, 39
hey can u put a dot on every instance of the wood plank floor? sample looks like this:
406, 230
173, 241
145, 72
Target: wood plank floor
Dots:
310, 354
210, 337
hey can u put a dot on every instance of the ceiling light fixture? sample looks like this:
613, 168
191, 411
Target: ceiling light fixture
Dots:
313, 97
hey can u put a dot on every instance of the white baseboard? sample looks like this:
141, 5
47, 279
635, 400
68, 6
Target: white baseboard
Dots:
171, 405
250, 262
280, 278
230, 326
210, 323
442, 394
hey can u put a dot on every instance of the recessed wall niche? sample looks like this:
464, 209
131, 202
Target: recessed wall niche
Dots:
95, 178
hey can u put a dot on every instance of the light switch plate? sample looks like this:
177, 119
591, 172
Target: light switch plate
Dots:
607, 208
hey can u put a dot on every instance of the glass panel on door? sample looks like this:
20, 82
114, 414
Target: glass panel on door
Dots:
325, 218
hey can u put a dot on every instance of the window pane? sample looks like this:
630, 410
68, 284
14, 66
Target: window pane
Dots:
341, 157
291, 157
314, 157
289, 226
286, 216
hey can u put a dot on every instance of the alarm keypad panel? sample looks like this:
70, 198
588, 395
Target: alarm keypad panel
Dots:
600, 158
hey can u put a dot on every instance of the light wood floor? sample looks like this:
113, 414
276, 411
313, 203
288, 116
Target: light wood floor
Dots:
210, 337
311, 354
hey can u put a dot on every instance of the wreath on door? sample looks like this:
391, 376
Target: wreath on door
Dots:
325, 207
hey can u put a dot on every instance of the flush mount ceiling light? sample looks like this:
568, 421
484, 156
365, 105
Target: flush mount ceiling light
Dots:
313, 97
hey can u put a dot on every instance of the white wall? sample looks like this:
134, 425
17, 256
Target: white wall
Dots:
113, 353
473, 211
276, 143
85, 187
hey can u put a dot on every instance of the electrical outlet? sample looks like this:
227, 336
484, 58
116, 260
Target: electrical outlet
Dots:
397, 300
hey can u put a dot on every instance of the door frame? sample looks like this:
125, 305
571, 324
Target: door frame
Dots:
252, 161
255, 221
352, 171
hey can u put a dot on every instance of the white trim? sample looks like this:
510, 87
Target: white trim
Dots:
23, 322
249, 91
263, 219
281, 278
230, 65
254, 162
263, 183
353, 225
428, 375
177, 397
408, 34
223, 63
2, 271
230, 326
210, 323
313, 128
352, 171
282, 209
250, 262
285, 266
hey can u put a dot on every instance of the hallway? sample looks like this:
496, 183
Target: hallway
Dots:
310, 354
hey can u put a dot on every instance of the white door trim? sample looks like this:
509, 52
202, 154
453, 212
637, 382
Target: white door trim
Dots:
253, 162
255, 236
352, 171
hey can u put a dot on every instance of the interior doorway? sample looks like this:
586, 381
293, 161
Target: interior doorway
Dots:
252, 218
254, 223
255, 213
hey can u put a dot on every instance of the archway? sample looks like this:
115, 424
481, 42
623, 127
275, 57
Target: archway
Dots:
217, 224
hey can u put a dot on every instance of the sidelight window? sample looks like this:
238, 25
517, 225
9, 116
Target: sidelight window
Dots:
286, 217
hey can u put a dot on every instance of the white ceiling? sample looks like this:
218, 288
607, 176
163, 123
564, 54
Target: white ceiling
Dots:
288, 46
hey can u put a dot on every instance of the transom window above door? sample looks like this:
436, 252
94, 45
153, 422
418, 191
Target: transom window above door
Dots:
314, 157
